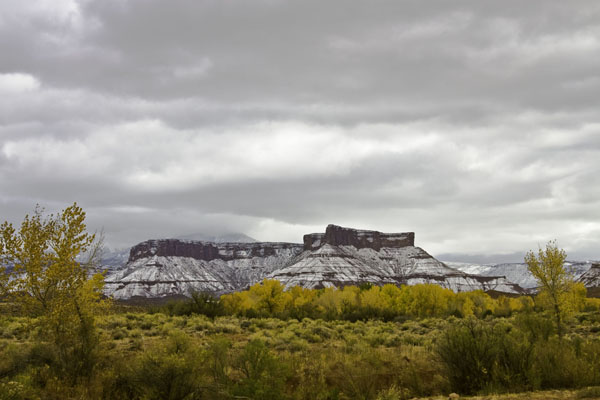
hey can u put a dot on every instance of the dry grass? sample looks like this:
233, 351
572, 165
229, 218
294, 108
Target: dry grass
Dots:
589, 393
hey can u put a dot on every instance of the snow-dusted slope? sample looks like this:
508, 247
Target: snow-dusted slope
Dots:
591, 278
414, 265
332, 266
516, 272
343, 256
114, 260
159, 268
338, 257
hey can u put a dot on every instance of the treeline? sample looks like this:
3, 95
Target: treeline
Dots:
268, 299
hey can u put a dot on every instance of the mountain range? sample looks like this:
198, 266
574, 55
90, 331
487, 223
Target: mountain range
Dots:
338, 257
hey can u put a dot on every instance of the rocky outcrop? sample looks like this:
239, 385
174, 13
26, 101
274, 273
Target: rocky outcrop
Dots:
206, 251
360, 239
158, 268
591, 279
339, 257
344, 256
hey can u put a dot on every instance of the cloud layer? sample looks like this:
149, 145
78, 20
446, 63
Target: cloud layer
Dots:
474, 124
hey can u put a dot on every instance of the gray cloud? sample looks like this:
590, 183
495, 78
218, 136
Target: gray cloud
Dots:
475, 124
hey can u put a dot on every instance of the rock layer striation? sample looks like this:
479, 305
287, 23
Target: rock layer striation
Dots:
591, 279
338, 257
159, 268
345, 256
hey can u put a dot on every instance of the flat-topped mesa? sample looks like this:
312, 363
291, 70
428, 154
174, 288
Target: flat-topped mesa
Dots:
207, 251
338, 257
360, 239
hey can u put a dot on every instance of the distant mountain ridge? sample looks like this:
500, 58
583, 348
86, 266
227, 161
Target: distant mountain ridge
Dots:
517, 272
338, 257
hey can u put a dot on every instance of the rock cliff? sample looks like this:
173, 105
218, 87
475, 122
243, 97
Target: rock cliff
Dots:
345, 256
591, 279
340, 256
158, 268
360, 239
207, 251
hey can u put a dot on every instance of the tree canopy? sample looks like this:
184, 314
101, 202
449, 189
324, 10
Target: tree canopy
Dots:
47, 273
557, 288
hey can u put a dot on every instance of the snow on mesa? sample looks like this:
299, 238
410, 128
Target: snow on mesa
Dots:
339, 257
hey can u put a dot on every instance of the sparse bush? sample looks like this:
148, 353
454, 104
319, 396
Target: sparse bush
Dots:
17, 390
589, 393
469, 352
199, 303
170, 370
394, 393
263, 374
14, 359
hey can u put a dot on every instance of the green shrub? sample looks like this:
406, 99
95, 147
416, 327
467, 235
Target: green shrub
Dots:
498, 356
171, 370
556, 365
360, 373
394, 393
263, 374
199, 303
14, 359
589, 393
17, 390
219, 359
469, 352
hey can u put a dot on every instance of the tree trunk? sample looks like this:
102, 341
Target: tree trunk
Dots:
558, 320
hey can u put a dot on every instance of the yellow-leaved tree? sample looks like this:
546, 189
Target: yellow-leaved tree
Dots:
46, 267
557, 289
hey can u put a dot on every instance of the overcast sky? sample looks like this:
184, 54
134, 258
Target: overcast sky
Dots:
475, 124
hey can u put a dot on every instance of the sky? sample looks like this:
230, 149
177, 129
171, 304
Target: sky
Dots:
475, 124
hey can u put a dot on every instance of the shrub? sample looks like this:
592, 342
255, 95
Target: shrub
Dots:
16, 390
500, 357
394, 393
469, 352
589, 393
13, 359
169, 371
219, 360
263, 374
199, 303
361, 372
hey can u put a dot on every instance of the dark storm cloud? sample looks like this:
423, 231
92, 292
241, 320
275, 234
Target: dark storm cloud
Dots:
475, 124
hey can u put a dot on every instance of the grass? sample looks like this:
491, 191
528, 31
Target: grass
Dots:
587, 393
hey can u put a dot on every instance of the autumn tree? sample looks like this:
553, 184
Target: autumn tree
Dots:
50, 277
554, 281
268, 296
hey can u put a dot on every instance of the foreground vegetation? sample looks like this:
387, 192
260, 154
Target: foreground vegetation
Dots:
145, 355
